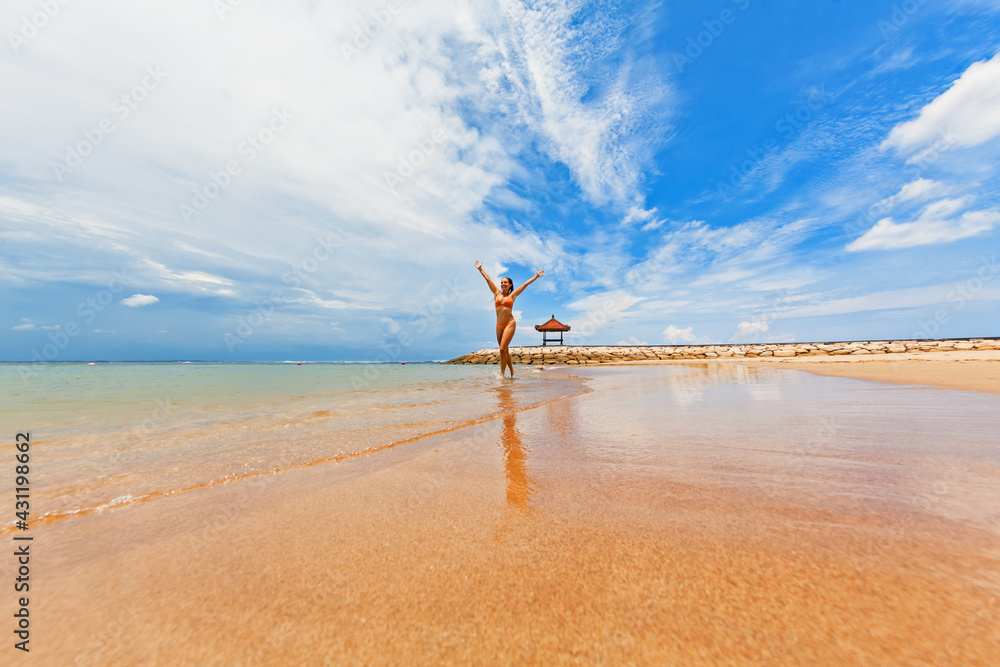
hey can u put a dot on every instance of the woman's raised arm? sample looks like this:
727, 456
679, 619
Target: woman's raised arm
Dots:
538, 274
479, 265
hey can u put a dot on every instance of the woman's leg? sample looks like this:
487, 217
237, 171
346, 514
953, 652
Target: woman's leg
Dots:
508, 334
503, 356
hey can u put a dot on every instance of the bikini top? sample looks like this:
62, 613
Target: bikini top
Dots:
503, 301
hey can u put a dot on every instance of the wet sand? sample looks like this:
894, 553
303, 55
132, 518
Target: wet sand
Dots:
963, 370
706, 514
968, 371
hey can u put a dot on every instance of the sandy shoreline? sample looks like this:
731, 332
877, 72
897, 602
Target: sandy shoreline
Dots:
966, 371
728, 514
952, 370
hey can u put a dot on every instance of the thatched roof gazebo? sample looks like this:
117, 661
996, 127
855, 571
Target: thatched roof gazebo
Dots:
553, 326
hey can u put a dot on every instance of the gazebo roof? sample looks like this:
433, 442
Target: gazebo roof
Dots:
552, 325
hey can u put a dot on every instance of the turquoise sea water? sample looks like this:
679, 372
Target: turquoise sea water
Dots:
74, 398
115, 433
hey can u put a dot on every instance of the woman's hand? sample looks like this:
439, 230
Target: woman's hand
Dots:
479, 264
539, 273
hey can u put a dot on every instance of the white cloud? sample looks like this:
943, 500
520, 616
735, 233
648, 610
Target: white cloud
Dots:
600, 311
646, 219
310, 298
632, 340
638, 214
23, 327
139, 300
969, 112
652, 225
673, 334
356, 120
937, 223
752, 255
196, 281
744, 329
391, 326
607, 302
921, 189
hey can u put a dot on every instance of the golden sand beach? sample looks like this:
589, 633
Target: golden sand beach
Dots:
704, 513
969, 371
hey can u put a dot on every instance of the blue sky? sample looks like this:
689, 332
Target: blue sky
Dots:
315, 180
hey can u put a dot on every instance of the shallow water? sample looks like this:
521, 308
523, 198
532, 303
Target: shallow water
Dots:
115, 434
788, 434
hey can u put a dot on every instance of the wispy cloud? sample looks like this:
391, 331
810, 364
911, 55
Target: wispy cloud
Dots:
592, 125
911, 297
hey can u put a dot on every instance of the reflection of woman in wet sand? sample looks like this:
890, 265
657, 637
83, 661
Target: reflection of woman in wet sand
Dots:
515, 454
503, 300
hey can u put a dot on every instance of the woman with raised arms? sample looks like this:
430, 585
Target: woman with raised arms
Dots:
503, 300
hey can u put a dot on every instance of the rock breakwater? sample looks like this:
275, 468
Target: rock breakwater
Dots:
598, 354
